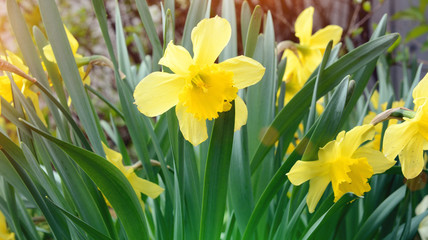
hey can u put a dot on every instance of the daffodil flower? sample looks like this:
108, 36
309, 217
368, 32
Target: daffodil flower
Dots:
303, 58
199, 87
23, 84
343, 163
5, 234
140, 186
409, 139
74, 44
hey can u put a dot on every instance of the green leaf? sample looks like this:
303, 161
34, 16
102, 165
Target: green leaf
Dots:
416, 32
253, 31
216, 176
331, 213
329, 123
84, 226
376, 219
149, 26
112, 183
313, 108
411, 13
245, 21
56, 222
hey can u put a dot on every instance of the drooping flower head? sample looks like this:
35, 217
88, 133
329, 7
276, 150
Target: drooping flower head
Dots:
198, 87
74, 44
409, 139
343, 163
140, 186
303, 58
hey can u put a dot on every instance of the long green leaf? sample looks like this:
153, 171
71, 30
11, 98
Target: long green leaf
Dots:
149, 26
86, 227
379, 215
216, 176
111, 182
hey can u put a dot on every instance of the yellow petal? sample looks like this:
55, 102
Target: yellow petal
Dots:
246, 71
292, 65
176, 58
5, 89
303, 171
158, 92
209, 38
111, 155
374, 100
396, 138
193, 130
317, 187
421, 90
48, 51
310, 60
355, 137
17, 61
5, 234
241, 113
375, 158
303, 26
145, 187
321, 38
421, 119
74, 44
411, 157
330, 150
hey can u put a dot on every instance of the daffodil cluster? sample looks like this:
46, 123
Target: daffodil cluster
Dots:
74, 44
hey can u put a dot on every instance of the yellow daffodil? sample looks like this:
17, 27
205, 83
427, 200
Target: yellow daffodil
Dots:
74, 44
303, 58
343, 163
140, 186
5, 234
23, 84
199, 87
409, 139
378, 127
